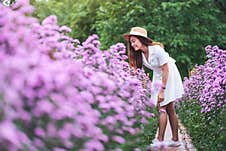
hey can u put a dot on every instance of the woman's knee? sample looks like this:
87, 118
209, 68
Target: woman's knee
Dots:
170, 108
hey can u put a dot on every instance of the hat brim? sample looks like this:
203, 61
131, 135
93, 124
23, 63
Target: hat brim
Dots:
127, 36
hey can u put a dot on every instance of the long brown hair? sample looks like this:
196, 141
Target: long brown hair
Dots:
135, 57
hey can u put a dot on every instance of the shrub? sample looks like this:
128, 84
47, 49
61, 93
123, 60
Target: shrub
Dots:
203, 107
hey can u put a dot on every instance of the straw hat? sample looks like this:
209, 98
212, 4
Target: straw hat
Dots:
137, 31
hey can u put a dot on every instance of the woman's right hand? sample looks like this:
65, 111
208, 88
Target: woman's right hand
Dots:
161, 96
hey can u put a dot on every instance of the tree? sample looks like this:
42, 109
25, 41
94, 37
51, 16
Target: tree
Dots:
184, 27
78, 15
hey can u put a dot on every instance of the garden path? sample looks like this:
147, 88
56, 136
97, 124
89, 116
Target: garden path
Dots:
183, 137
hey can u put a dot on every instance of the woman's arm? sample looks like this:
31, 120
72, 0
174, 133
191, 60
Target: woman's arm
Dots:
165, 72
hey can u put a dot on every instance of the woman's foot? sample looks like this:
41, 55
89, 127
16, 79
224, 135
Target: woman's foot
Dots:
173, 143
157, 145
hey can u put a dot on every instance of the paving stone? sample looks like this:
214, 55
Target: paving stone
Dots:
186, 136
192, 149
190, 146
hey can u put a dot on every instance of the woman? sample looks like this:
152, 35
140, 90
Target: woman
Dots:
166, 83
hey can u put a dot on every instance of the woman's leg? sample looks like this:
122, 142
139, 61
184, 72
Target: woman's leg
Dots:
162, 122
173, 120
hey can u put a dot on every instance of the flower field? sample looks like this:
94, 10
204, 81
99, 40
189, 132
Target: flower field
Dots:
61, 94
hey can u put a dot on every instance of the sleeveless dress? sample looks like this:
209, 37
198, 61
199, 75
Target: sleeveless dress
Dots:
174, 87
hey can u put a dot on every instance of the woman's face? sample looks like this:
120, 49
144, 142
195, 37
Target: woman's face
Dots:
135, 43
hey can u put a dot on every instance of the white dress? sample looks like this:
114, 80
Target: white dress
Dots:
174, 87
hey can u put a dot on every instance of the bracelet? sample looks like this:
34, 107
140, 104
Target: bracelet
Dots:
163, 87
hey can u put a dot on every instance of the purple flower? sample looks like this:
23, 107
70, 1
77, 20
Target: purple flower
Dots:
39, 132
65, 29
94, 145
59, 149
51, 20
9, 133
118, 139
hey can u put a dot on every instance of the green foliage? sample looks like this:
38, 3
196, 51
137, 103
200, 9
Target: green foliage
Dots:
79, 15
114, 18
149, 132
206, 133
185, 27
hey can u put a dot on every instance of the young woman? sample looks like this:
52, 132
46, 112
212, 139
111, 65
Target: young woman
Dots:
166, 83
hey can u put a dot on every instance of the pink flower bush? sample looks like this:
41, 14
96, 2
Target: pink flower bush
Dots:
207, 82
59, 94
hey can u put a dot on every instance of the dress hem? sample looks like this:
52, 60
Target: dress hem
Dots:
165, 103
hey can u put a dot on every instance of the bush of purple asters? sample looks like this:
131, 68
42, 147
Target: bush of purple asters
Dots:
207, 82
203, 107
57, 94
213, 95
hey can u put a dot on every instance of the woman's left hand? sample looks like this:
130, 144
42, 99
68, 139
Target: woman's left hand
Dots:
161, 96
